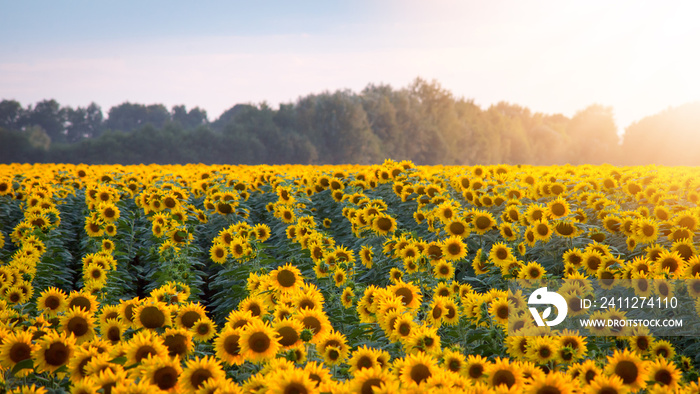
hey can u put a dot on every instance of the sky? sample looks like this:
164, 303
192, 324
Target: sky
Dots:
550, 56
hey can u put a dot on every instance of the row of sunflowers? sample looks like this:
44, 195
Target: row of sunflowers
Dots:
340, 279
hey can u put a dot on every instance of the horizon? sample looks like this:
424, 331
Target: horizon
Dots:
549, 57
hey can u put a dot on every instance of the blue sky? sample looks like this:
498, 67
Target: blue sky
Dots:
550, 56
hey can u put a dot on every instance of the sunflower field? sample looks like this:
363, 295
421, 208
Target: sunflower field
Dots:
339, 279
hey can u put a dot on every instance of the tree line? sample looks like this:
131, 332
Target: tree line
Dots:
422, 122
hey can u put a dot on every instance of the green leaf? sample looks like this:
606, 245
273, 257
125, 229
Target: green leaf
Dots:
24, 364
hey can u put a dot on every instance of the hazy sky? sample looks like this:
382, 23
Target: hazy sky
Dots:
550, 56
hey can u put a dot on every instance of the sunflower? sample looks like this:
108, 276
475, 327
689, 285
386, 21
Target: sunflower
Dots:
127, 308
403, 327
80, 359
408, 292
670, 263
78, 323
502, 372
152, 314
82, 299
383, 224
662, 349
558, 208
687, 219
453, 248
188, 315
53, 351
457, 228
259, 342
664, 288
508, 231
499, 310
444, 270
218, 253
161, 372
529, 238
542, 350
347, 298
286, 277
629, 367
417, 368
542, 230
227, 346
17, 346
314, 320
551, 383
290, 381
366, 256
178, 341
602, 384
436, 310
144, 344
646, 230
692, 268
483, 221
333, 346
516, 345
307, 300
370, 380
203, 330
532, 271
198, 370
475, 368
592, 261
664, 373
113, 330
51, 301
425, 339
95, 273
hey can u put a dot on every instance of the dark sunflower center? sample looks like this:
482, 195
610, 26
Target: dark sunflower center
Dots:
78, 326
405, 294
286, 278
56, 354
420, 373
20, 351
176, 344
664, 377
259, 342
152, 317
52, 302
199, 376
503, 377
289, 336
627, 371
369, 384
482, 222
189, 318
231, 344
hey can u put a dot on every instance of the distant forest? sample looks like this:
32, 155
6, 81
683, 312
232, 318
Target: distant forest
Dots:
422, 122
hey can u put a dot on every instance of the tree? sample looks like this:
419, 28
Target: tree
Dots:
593, 136
38, 137
337, 125
669, 137
49, 115
189, 120
83, 122
11, 114
128, 116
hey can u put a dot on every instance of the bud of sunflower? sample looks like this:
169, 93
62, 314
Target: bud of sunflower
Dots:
306, 335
